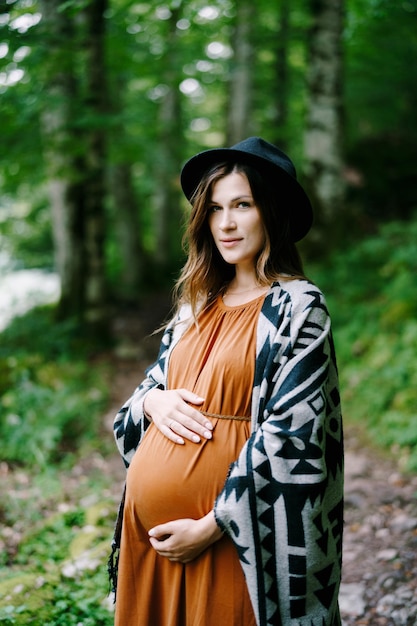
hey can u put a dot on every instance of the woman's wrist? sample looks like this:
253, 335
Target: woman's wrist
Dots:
145, 412
212, 530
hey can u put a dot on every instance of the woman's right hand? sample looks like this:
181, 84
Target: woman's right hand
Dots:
172, 414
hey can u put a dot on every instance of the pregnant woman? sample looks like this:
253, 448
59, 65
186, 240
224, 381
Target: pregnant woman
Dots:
233, 442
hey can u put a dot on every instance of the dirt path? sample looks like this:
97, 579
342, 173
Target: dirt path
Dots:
380, 547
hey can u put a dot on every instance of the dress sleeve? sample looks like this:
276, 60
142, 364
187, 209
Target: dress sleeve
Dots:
282, 501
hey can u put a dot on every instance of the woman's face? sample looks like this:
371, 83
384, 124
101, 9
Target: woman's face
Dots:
235, 221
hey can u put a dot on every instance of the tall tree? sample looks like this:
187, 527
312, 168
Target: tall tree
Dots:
280, 104
96, 105
126, 219
66, 195
167, 150
324, 124
74, 131
239, 113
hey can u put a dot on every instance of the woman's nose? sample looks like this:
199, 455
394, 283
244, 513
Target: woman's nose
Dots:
227, 221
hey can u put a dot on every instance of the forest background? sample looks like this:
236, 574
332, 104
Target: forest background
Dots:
101, 102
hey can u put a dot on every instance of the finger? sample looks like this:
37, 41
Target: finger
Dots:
198, 418
162, 531
190, 396
159, 547
170, 433
161, 543
189, 429
165, 548
177, 428
193, 420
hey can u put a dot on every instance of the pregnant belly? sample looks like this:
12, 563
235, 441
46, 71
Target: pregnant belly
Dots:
167, 481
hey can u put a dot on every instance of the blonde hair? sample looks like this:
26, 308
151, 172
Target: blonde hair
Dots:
205, 274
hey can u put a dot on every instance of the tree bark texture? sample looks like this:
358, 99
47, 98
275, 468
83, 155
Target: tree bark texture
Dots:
75, 154
280, 117
324, 127
241, 77
65, 188
168, 156
95, 185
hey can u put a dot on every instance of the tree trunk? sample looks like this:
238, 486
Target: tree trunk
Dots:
95, 186
75, 155
241, 79
324, 128
168, 156
127, 231
65, 189
279, 120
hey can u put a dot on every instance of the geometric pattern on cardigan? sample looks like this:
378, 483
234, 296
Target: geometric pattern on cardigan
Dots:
282, 502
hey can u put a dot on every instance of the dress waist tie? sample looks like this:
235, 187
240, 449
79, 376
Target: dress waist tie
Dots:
239, 418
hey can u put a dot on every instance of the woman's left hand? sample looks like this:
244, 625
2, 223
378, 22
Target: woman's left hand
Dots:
183, 540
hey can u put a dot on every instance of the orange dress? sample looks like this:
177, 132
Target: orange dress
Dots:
167, 481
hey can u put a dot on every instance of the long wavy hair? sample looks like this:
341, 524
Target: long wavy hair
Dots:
205, 274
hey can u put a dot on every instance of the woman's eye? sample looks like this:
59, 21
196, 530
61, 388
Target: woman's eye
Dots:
214, 208
244, 205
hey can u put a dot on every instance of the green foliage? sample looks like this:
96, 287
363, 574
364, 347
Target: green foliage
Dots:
65, 604
25, 229
50, 390
380, 101
371, 290
374, 30
50, 582
50, 543
147, 53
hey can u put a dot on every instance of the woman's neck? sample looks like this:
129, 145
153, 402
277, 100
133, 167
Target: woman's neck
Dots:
243, 280
242, 289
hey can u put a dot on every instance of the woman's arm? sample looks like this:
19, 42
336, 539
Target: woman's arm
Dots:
130, 423
282, 504
183, 540
169, 410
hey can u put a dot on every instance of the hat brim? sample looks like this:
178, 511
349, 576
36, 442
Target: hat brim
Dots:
299, 205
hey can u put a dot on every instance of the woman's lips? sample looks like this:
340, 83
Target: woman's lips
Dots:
229, 243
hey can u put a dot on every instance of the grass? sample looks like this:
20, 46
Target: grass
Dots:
53, 569
56, 514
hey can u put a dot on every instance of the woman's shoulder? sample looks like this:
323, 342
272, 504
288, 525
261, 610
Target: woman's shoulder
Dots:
295, 298
292, 304
297, 290
184, 313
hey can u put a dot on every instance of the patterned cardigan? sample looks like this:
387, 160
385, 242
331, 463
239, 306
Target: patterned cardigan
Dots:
282, 502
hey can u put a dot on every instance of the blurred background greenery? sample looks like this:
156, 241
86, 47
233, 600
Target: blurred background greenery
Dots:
101, 102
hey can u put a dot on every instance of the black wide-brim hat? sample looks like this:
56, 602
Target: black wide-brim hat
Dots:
269, 161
